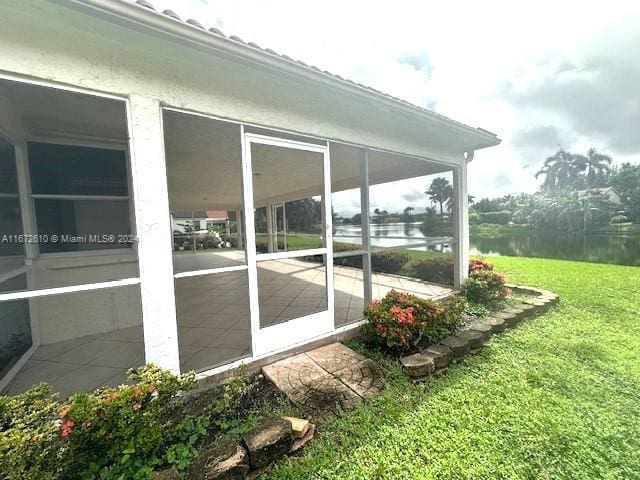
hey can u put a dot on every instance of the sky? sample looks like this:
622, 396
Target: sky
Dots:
539, 74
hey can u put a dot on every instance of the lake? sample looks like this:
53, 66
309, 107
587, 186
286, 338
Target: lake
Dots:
601, 248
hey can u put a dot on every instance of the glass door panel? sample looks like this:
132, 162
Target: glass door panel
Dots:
291, 210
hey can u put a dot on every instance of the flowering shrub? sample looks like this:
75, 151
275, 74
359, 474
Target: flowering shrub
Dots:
111, 433
484, 285
401, 321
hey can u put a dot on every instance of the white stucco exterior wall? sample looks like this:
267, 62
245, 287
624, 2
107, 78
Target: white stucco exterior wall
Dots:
95, 54
69, 48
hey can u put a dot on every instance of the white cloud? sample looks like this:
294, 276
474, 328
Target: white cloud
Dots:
469, 53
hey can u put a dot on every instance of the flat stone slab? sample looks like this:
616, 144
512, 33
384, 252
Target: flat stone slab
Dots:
326, 379
334, 357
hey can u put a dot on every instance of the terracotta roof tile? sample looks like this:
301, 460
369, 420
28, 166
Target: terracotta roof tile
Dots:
269, 51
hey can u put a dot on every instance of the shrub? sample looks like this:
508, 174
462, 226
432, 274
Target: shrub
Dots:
499, 218
484, 285
618, 219
388, 262
474, 218
30, 446
111, 433
438, 270
401, 321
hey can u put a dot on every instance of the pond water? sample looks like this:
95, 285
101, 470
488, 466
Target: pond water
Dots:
602, 248
384, 235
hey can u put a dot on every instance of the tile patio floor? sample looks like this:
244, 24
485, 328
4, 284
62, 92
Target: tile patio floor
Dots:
213, 322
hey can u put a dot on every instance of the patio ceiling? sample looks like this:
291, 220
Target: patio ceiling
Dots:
52, 113
205, 156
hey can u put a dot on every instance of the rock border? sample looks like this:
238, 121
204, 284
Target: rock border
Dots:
434, 360
269, 441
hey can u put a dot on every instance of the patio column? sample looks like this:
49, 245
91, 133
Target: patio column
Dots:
461, 224
364, 225
153, 229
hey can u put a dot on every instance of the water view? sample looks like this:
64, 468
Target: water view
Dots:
622, 249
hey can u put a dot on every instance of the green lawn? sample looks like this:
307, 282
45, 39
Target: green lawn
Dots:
556, 397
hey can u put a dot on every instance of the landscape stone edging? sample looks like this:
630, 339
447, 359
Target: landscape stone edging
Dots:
472, 338
271, 440
234, 461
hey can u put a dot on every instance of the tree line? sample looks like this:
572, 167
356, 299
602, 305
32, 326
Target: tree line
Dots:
579, 192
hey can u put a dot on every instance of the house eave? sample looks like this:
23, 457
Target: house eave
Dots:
151, 20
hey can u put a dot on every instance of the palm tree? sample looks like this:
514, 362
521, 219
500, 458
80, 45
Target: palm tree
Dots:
380, 215
598, 167
406, 214
558, 170
440, 191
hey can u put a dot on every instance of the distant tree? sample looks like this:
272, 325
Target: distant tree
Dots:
598, 168
440, 191
380, 215
626, 180
304, 214
565, 171
356, 219
559, 170
407, 215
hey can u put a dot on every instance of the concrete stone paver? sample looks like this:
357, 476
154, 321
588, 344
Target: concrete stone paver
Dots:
325, 379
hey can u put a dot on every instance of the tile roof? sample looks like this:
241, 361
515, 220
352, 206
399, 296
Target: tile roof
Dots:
268, 51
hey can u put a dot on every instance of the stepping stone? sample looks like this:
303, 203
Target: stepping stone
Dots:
334, 357
313, 389
267, 442
475, 339
419, 365
365, 377
484, 329
360, 374
496, 324
459, 346
441, 357
225, 461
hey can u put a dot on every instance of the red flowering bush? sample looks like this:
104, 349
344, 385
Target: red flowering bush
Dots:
401, 321
111, 433
484, 285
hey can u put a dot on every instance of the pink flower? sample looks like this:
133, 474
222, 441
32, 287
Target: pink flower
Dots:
66, 427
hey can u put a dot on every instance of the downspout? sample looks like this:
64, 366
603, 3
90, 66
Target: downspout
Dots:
469, 155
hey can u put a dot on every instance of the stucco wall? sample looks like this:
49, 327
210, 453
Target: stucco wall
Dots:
67, 46
73, 315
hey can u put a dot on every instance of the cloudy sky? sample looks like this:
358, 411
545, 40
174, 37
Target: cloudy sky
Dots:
539, 74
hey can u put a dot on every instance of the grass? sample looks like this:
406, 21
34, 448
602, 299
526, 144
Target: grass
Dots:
556, 398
